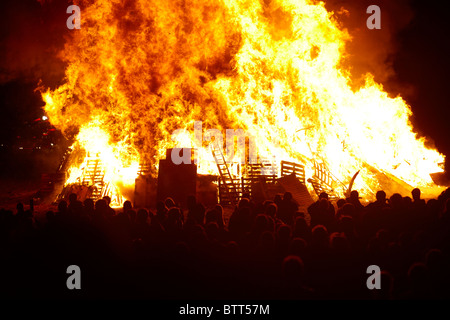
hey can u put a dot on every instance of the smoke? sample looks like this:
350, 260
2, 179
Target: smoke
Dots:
31, 37
33, 31
372, 50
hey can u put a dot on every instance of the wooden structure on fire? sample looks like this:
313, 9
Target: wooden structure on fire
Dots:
229, 192
323, 181
262, 178
91, 183
93, 175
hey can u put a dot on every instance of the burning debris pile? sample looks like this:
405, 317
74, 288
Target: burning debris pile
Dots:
139, 70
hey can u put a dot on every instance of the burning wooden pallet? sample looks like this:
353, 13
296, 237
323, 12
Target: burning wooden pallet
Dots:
93, 175
228, 189
287, 168
323, 181
91, 183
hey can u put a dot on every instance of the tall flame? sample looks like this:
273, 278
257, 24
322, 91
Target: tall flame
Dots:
138, 69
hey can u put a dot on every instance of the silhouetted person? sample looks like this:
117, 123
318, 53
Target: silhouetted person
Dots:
340, 203
169, 203
386, 291
127, 206
283, 240
322, 212
161, 213
298, 247
240, 220
20, 211
110, 211
89, 207
301, 229
354, 200
375, 217
287, 209
101, 210
416, 197
62, 207
419, 282
293, 274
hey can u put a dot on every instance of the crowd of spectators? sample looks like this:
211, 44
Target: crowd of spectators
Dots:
267, 250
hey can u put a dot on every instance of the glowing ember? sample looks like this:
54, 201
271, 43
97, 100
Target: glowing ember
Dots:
138, 70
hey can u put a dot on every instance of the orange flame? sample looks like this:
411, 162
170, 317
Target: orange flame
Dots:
138, 70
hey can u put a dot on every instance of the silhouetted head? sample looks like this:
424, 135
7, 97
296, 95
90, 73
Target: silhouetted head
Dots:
354, 195
300, 222
396, 200
161, 208
346, 224
348, 209
271, 210
211, 216
298, 246
141, 216
260, 224
323, 195
107, 200
320, 236
293, 270
218, 208
287, 196
72, 198
212, 230
62, 206
19, 207
386, 286
416, 194
434, 201
407, 201
88, 204
301, 228
340, 203
127, 206
169, 203
277, 199
130, 215
339, 242
381, 196
77, 207
101, 205
244, 202
199, 213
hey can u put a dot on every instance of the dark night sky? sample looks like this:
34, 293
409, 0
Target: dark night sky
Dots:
409, 56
